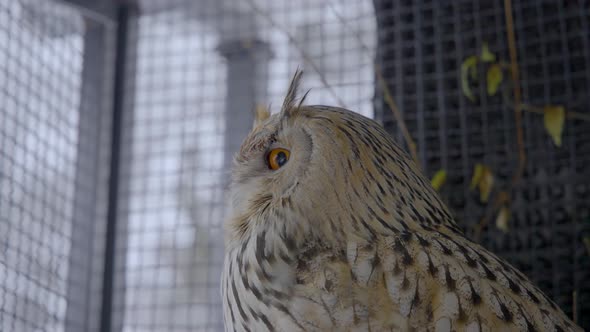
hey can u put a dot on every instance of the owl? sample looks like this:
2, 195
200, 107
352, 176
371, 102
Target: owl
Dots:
333, 228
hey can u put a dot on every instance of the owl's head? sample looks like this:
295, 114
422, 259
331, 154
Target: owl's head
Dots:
318, 171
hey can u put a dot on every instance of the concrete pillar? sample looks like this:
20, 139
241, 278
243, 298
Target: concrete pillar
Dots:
247, 86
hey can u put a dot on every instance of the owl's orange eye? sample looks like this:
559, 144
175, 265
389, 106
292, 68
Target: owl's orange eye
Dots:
276, 158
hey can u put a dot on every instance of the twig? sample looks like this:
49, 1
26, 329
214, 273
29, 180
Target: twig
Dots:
485, 220
517, 92
568, 114
517, 119
398, 116
576, 115
293, 41
575, 306
386, 92
532, 109
499, 198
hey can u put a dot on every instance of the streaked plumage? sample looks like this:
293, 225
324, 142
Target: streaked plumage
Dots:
349, 236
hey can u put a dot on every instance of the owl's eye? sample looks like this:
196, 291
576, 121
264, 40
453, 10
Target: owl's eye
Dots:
276, 158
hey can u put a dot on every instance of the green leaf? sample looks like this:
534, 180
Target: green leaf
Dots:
502, 219
486, 55
494, 78
439, 179
468, 68
554, 118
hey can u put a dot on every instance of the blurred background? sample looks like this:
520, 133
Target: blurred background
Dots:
119, 119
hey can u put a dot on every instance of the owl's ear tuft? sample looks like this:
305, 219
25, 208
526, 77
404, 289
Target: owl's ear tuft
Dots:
289, 107
261, 113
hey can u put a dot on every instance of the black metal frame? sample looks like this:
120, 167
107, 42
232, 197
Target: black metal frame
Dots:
101, 13
117, 124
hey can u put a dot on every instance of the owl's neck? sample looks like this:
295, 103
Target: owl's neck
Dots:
266, 255
258, 277
262, 260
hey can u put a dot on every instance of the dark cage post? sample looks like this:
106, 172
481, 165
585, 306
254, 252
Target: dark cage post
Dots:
113, 229
119, 120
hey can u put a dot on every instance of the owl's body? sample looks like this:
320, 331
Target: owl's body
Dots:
349, 236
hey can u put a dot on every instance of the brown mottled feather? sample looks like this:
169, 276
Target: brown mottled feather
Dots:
349, 236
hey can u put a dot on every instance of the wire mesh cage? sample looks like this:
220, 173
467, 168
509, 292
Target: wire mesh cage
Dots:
54, 129
117, 134
422, 48
200, 69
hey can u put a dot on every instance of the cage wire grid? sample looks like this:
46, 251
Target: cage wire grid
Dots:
198, 69
52, 133
423, 45
193, 71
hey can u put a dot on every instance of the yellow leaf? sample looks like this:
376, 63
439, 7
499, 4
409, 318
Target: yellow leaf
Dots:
486, 55
502, 219
494, 78
483, 179
554, 117
485, 184
468, 67
477, 172
439, 179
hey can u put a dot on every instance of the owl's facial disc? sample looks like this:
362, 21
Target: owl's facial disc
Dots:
272, 159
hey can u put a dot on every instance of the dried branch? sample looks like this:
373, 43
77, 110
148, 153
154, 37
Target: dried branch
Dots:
517, 91
568, 114
386, 91
518, 107
575, 307
398, 116
499, 198
293, 41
